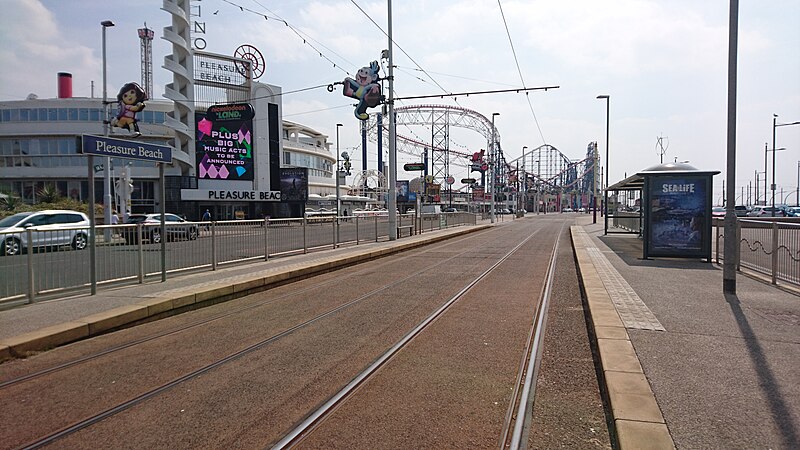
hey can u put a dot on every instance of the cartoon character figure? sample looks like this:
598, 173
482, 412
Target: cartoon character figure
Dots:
131, 100
365, 88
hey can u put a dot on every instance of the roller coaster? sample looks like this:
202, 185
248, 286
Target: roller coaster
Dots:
544, 171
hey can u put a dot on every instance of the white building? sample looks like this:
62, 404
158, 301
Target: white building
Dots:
39, 146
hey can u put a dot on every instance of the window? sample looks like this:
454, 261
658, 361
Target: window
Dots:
160, 117
14, 115
73, 113
52, 114
37, 220
83, 114
6, 117
94, 115
25, 115
66, 218
287, 158
42, 114
62, 114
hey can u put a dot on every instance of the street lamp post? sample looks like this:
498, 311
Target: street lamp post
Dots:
107, 175
338, 183
492, 158
594, 184
605, 191
773, 178
775, 125
524, 201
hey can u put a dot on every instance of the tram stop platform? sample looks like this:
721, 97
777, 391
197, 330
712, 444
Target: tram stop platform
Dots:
685, 365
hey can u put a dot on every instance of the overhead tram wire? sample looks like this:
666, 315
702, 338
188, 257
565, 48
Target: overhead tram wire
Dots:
467, 94
514, 52
400, 48
279, 19
457, 76
306, 34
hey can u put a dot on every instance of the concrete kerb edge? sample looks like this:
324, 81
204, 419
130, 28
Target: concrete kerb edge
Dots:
95, 324
636, 416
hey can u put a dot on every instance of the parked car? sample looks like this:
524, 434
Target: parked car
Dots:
741, 210
765, 211
450, 210
793, 211
176, 227
50, 228
718, 211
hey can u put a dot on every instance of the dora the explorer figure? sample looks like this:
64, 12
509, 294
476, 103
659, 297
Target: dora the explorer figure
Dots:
131, 100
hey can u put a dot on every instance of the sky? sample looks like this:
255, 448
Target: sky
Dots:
664, 65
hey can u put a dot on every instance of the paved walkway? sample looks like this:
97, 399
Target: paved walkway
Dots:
721, 371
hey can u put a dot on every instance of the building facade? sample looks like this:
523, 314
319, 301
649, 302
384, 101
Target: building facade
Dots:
39, 145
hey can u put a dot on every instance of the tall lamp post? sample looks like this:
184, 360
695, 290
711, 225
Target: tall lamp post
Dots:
774, 126
492, 167
107, 175
524, 201
338, 172
605, 191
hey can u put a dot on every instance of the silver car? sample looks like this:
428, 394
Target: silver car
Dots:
50, 228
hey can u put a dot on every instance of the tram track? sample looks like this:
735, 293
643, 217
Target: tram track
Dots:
190, 326
514, 423
79, 425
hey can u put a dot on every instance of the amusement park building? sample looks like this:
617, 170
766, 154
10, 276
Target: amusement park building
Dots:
39, 146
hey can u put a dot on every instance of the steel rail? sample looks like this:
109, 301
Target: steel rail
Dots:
214, 318
77, 426
316, 417
535, 355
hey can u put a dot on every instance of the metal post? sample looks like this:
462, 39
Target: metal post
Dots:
335, 232
305, 235
140, 252
31, 281
107, 173
766, 152
774, 251
797, 200
605, 191
376, 228
162, 203
594, 185
392, 198
266, 239
492, 168
731, 245
92, 231
357, 238
214, 245
774, 122
338, 172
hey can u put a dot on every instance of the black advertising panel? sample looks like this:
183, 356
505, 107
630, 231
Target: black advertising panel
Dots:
677, 218
224, 148
294, 184
402, 191
273, 119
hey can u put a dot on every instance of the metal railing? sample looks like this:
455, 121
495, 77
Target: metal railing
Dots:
767, 246
58, 260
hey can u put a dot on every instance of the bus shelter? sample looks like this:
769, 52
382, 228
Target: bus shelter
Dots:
671, 210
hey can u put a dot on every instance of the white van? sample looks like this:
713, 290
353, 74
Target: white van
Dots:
431, 209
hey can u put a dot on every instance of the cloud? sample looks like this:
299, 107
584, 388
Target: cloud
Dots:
34, 48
